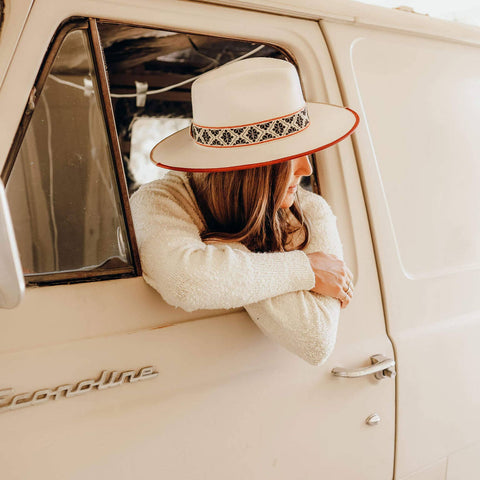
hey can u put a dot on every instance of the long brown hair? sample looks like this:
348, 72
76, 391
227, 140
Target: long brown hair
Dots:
244, 206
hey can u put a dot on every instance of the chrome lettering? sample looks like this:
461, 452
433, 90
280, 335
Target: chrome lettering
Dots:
19, 401
113, 381
100, 383
146, 372
41, 396
61, 389
105, 380
5, 394
81, 388
130, 374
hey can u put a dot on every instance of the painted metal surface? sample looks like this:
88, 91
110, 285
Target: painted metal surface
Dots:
15, 14
358, 13
227, 402
418, 99
12, 285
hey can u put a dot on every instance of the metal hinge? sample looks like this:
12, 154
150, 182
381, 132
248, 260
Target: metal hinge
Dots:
32, 98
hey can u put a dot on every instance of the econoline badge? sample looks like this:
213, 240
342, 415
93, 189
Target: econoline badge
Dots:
106, 380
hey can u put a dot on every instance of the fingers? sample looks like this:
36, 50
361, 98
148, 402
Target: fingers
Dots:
332, 277
347, 288
345, 299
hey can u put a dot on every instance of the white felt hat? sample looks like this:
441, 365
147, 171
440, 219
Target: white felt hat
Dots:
252, 113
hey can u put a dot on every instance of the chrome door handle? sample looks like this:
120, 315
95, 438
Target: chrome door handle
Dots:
381, 366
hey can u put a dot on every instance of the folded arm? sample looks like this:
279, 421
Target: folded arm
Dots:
192, 274
305, 322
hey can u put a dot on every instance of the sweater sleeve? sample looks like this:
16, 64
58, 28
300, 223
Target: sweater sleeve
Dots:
305, 322
192, 274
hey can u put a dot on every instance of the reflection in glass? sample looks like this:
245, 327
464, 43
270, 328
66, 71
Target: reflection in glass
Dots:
62, 190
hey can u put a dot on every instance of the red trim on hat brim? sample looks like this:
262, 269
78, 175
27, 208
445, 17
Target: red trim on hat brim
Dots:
271, 162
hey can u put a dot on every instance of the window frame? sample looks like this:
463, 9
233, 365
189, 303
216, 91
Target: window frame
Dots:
89, 25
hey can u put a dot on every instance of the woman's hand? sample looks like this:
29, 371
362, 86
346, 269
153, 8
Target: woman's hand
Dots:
332, 276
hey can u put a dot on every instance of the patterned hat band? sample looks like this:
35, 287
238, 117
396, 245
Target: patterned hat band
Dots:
251, 134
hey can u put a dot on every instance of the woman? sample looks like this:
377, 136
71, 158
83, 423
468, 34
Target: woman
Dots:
231, 226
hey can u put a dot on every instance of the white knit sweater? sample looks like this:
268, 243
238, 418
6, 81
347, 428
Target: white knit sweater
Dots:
272, 287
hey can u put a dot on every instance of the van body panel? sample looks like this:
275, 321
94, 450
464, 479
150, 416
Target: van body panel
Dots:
14, 16
227, 401
418, 99
348, 11
56, 314
436, 471
463, 463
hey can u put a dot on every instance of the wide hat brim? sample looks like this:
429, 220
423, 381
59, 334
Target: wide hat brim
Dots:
329, 124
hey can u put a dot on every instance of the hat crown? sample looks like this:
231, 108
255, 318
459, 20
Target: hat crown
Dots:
245, 92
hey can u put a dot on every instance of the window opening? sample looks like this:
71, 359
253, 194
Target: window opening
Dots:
63, 187
150, 73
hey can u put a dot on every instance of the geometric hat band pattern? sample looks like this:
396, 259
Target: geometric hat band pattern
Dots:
252, 134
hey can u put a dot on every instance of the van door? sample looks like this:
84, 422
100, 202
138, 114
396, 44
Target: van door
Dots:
219, 399
417, 91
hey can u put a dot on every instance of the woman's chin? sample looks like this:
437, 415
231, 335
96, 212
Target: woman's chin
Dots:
288, 200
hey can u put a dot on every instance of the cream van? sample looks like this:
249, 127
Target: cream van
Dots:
101, 379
